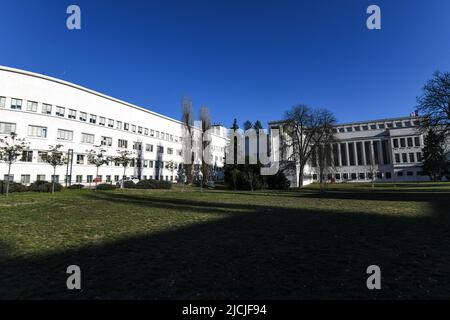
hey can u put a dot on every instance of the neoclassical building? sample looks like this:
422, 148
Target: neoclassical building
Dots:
48, 111
389, 148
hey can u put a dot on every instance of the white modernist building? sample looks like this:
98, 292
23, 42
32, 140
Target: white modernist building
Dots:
388, 149
48, 111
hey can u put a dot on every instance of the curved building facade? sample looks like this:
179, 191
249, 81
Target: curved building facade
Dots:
48, 111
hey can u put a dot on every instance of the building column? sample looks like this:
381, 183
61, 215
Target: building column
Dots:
339, 155
355, 154
363, 151
347, 153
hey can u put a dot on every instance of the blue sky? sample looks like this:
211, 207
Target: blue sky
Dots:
246, 59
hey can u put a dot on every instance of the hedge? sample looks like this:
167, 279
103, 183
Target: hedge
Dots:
106, 186
44, 186
153, 184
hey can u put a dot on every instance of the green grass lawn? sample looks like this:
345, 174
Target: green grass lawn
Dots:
296, 244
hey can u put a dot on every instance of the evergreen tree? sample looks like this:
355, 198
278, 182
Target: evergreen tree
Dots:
434, 163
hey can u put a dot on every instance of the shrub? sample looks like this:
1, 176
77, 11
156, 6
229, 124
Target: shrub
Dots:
106, 186
44, 186
278, 181
153, 184
13, 187
129, 184
75, 186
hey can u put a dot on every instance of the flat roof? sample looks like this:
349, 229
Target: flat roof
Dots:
359, 122
69, 84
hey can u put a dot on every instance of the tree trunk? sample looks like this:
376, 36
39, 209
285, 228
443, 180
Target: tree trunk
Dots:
300, 176
123, 177
53, 183
96, 177
7, 182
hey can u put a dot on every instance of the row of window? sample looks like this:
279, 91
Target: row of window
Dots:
87, 138
32, 106
375, 126
408, 157
26, 178
81, 159
406, 142
367, 175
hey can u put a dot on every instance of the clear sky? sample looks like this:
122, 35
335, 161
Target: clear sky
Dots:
241, 58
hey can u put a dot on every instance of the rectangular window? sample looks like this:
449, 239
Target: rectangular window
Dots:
2, 102
169, 151
119, 125
411, 157
146, 131
72, 114
359, 154
397, 158
123, 143
137, 146
149, 147
89, 179
36, 131
116, 178
402, 143
410, 142
157, 134
25, 179
343, 154
27, 156
152, 133
80, 158
417, 141
16, 104
351, 153
41, 156
83, 116
419, 156
87, 138
395, 141
140, 130
108, 178
133, 128
126, 126
79, 179
102, 121
65, 135
110, 123
10, 177
46, 108
60, 111
7, 128
160, 149
106, 141
32, 106
385, 152
376, 148
93, 119
404, 157
150, 164
40, 177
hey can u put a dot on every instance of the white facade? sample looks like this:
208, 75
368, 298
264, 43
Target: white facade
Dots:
391, 149
48, 111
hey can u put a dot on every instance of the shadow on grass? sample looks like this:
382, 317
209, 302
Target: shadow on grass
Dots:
250, 252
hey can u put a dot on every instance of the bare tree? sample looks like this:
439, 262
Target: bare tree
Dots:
307, 128
205, 119
434, 104
124, 158
325, 162
97, 158
10, 149
55, 158
187, 137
